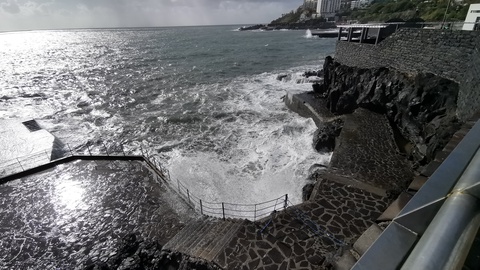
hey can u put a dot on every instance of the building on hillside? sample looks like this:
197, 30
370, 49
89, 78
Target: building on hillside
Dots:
310, 5
328, 8
472, 21
359, 3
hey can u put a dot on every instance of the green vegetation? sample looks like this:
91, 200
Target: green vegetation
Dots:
291, 17
428, 10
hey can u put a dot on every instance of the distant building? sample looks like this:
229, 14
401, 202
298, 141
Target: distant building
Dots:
472, 21
328, 8
359, 3
310, 4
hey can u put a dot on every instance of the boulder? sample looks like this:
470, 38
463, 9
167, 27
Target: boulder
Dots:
324, 136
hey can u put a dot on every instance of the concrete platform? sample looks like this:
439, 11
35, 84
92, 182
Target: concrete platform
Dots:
26, 145
77, 213
307, 105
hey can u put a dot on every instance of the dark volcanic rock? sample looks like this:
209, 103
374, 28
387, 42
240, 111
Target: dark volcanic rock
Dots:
307, 191
253, 27
136, 253
324, 137
421, 105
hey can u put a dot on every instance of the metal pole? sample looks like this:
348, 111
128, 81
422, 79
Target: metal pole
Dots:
445, 15
286, 202
448, 238
71, 153
255, 213
378, 36
20, 164
201, 207
339, 33
106, 149
88, 148
223, 210
188, 195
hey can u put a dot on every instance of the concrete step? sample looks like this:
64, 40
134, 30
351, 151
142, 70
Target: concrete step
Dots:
183, 235
367, 238
394, 209
204, 238
346, 261
208, 237
221, 241
212, 241
178, 237
194, 237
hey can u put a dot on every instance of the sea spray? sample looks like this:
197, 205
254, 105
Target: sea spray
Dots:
221, 125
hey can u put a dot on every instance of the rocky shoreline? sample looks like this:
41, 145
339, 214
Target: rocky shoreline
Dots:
311, 24
420, 108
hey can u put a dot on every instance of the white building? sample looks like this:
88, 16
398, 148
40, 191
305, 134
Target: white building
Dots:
472, 21
328, 8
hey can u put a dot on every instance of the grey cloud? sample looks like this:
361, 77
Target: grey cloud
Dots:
34, 14
11, 7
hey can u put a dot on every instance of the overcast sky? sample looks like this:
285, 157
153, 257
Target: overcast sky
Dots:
54, 14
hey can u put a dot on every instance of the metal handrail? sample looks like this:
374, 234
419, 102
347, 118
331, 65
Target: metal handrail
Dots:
215, 209
314, 227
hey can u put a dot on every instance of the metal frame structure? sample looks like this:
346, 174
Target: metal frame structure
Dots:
437, 228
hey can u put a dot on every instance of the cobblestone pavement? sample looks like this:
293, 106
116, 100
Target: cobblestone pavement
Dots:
76, 213
366, 151
305, 236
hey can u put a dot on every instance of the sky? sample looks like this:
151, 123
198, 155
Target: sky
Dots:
59, 14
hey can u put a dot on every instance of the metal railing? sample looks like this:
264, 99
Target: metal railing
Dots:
313, 226
438, 227
230, 210
215, 209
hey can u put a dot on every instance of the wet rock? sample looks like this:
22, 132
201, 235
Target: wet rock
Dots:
253, 27
324, 136
422, 106
284, 77
307, 191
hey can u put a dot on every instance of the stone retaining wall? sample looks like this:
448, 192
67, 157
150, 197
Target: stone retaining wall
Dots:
450, 54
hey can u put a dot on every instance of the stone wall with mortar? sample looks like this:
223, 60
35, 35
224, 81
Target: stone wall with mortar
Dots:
450, 54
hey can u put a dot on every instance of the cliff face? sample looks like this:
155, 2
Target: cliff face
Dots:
420, 106
454, 55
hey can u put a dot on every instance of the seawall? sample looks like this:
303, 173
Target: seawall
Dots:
449, 54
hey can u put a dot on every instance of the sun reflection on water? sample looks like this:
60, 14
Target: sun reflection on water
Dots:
70, 194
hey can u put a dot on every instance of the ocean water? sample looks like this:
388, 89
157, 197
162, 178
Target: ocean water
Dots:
204, 100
